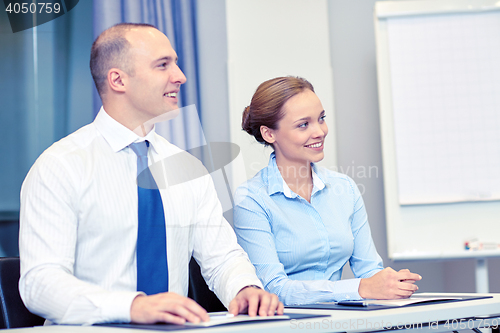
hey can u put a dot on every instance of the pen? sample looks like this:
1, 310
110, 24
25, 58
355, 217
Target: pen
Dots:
221, 316
352, 303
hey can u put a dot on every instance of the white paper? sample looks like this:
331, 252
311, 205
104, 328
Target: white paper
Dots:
223, 318
445, 72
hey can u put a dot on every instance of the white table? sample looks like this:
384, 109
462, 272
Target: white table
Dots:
422, 318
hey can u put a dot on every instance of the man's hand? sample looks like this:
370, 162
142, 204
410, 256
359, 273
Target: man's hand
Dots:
389, 284
166, 308
255, 301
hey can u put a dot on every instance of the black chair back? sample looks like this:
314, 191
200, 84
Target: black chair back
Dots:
13, 313
198, 290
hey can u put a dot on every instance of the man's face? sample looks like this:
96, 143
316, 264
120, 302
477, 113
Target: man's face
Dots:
153, 87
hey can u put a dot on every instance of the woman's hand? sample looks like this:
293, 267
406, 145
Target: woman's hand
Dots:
389, 284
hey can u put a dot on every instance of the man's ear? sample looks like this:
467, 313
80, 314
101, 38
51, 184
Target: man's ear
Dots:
267, 134
116, 79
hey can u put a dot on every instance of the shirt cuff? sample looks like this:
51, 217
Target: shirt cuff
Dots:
246, 281
117, 307
347, 290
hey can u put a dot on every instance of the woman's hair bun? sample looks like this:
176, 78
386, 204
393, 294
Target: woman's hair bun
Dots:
245, 123
265, 109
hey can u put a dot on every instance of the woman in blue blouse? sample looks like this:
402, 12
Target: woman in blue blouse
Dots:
300, 223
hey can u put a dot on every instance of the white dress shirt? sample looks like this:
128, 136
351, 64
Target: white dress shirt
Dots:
78, 227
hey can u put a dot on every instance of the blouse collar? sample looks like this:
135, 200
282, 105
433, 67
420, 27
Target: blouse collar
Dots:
278, 185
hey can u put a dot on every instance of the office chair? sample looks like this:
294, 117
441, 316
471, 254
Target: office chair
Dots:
13, 313
198, 290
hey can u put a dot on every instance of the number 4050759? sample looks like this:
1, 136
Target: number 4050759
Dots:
33, 8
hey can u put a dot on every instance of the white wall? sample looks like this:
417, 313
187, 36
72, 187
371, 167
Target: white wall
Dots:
267, 39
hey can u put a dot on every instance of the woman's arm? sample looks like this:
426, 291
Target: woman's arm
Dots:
253, 229
376, 282
365, 261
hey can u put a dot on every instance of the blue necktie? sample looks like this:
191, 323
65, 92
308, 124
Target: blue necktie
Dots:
152, 267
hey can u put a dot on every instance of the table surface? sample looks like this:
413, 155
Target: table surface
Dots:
413, 318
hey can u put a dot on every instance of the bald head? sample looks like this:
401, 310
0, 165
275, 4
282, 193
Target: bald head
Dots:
111, 50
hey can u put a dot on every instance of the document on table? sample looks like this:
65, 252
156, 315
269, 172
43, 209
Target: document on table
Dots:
223, 318
372, 304
396, 302
216, 319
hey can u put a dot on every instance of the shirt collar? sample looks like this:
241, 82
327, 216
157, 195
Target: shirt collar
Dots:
117, 135
318, 183
274, 178
277, 183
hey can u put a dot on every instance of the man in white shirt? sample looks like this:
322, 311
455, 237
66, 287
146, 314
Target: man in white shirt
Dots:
79, 205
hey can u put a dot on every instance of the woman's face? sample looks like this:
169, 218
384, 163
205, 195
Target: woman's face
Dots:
301, 132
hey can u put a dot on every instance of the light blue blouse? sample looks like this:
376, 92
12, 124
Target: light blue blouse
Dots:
299, 248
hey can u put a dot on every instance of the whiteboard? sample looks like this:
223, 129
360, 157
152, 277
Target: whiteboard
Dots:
439, 92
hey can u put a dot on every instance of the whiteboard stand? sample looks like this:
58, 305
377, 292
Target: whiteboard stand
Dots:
482, 283
481, 261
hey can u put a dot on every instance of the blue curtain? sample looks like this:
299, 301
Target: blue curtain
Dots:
45, 94
176, 19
